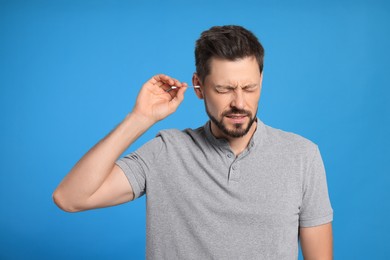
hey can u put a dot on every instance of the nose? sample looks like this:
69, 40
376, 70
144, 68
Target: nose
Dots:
238, 99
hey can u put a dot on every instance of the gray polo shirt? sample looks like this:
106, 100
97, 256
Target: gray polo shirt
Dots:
203, 202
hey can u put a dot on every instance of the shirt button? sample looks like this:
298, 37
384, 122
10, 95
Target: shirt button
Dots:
229, 155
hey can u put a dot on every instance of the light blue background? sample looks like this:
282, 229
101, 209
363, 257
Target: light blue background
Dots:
70, 72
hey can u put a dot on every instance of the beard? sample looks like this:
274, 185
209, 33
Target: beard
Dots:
239, 130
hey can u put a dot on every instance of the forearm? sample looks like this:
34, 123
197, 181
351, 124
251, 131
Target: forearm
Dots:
95, 166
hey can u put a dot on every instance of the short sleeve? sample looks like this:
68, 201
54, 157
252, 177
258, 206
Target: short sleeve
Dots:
315, 208
138, 164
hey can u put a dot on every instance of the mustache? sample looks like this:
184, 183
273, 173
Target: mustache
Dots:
237, 111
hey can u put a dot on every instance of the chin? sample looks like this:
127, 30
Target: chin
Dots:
236, 130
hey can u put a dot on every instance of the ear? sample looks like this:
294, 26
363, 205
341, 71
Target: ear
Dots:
196, 82
261, 80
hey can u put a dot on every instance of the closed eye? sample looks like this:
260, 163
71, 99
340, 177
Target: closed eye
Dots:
250, 88
222, 90
227, 89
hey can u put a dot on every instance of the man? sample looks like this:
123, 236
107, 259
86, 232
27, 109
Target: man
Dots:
232, 189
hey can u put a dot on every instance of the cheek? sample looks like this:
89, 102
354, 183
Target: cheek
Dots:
252, 100
217, 103
211, 106
223, 104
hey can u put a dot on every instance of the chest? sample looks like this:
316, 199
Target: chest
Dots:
249, 187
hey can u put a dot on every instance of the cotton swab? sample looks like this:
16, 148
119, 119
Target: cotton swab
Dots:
174, 87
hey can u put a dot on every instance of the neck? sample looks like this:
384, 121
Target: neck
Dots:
237, 144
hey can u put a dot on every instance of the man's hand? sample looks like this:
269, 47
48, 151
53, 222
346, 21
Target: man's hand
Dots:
154, 103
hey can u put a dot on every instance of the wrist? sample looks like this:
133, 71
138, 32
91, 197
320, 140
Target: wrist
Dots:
131, 128
140, 120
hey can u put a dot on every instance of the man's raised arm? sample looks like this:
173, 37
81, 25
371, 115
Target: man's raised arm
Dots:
96, 181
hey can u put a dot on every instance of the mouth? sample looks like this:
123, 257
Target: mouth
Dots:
236, 118
233, 115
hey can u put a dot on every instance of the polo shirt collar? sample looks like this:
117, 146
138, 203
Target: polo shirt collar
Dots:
222, 142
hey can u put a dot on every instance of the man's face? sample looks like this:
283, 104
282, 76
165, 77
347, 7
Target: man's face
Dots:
231, 94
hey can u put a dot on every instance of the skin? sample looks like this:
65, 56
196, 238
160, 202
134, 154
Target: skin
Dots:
317, 242
231, 94
232, 86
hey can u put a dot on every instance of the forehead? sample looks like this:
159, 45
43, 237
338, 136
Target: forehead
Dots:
234, 73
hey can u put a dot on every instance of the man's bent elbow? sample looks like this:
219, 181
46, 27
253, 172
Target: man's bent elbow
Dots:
63, 204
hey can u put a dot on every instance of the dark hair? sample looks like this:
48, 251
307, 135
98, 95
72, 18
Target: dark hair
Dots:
229, 42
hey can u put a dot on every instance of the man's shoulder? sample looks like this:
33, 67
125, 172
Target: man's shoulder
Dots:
285, 140
171, 140
177, 135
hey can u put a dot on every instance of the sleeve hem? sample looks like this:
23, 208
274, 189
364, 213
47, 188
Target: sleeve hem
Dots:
130, 177
316, 221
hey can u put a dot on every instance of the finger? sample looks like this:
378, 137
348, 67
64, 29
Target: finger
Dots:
177, 83
156, 79
160, 80
171, 81
178, 98
173, 90
166, 82
166, 79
